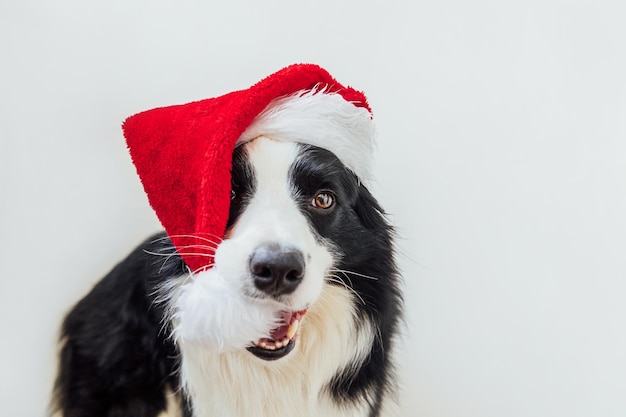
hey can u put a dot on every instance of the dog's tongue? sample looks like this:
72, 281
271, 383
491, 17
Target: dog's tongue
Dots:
287, 318
279, 333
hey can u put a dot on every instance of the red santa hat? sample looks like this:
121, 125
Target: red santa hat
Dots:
183, 153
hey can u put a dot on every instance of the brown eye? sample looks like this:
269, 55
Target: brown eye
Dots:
323, 200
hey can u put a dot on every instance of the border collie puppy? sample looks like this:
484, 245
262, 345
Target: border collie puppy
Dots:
297, 316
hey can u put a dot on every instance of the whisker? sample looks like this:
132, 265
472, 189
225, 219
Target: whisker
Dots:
345, 271
149, 252
211, 248
181, 250
201, 237
348, 278
338, 280
198, 270
175, 253
219, 239
204, 239
205, 255
189, 275
173, 250
169, 255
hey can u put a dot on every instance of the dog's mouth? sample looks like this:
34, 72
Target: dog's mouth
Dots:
282, 340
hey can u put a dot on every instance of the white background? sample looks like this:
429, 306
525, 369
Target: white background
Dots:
502, 162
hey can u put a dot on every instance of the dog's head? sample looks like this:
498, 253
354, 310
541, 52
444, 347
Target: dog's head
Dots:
293, 221
301, 228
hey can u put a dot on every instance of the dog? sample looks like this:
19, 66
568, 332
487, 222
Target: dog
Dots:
298, 315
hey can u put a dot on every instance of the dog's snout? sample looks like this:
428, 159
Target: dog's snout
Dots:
275, 270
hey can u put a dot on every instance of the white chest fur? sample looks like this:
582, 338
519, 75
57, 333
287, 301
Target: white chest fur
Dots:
237, 384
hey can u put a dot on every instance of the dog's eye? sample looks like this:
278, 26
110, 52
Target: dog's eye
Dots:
323, 200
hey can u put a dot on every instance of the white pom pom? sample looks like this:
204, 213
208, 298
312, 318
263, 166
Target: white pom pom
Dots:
209, 311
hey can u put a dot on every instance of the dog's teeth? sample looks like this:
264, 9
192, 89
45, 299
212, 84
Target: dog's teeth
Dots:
293, 327
271, 344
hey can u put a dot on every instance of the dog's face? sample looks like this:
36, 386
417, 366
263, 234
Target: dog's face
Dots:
291, 209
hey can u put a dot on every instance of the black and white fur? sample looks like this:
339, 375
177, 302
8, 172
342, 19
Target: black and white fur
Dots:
152, 338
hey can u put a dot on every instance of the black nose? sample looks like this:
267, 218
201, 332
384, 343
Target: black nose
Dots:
276, 270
